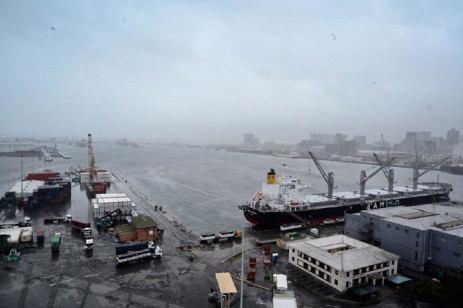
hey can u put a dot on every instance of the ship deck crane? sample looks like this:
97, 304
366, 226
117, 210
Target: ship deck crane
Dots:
417, 174
389, 174
329, 178
364, 177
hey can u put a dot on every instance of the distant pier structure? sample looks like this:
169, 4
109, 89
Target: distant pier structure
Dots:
28, 150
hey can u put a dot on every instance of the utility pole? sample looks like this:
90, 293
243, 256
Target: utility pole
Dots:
21, 180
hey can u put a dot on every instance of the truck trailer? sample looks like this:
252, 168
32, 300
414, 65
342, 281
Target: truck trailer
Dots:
138, 255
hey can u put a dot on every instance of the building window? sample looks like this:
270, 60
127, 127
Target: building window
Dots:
336, 282
397, 228
348, 274
388, 225
406, 230
294, 250
292, 259
336, 272
417, 235
393, 262
416, 244
347, 284
392, 272
416, 255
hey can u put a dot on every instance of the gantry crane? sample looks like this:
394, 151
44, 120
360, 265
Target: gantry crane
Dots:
329, 178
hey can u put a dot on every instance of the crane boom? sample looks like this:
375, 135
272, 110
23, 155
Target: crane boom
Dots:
329, 178
364, 177
416, 173
389, 174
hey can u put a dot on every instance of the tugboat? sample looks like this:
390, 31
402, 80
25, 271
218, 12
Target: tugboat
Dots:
286, 200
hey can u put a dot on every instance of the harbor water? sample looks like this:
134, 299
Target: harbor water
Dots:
202, 188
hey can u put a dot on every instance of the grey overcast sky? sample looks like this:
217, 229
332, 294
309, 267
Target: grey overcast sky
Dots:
210, 71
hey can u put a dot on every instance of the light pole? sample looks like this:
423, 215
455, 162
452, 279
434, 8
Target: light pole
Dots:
21, 180
242, 264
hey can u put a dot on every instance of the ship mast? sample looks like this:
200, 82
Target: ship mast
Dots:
329, 178
389, 174
91, 158
416, 167
364, 177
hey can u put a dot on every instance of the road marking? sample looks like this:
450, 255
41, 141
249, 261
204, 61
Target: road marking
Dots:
91, 275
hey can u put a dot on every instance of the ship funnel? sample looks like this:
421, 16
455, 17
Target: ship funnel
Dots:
271, 177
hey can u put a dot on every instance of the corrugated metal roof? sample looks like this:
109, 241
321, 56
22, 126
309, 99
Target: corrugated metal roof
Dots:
124, 229
225, 283
142, 221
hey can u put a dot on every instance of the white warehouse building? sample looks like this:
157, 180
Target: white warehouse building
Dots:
343, 262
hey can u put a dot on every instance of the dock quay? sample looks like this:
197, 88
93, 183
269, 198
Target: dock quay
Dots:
42, 152
183, 277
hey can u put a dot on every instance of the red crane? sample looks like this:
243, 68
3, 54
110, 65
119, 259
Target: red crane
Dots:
386, 149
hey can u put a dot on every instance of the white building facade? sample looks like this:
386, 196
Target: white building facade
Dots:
343, 262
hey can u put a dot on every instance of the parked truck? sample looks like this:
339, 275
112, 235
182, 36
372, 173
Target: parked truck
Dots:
131, 256
79, 226
56, 243
124, 248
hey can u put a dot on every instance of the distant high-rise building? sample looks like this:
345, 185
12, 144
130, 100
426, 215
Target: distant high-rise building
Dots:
339, 138
423, 136
361, 140
250, 141
323, 138
453, 136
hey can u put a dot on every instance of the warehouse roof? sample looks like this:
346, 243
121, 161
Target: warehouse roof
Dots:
356, 254
142, 221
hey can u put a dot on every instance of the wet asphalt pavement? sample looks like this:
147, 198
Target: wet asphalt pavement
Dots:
181, 278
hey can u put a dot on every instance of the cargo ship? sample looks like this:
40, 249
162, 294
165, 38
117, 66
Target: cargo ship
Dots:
455, 169
286, 200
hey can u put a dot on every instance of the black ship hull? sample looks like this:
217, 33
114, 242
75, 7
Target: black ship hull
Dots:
324, 214
455, 169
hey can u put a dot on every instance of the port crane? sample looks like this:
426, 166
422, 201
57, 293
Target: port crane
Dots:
91, 159
364, 177
389, 174
329, 178
388, 155
417, 166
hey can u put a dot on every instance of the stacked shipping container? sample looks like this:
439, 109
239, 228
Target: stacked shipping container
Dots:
55, 191
106, 203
